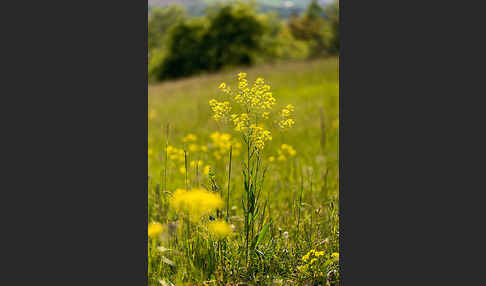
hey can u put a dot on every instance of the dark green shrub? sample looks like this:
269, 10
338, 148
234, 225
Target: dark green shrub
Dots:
185, 55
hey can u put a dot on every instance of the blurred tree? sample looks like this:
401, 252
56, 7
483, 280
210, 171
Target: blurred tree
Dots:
278, 42
332, 13
233, 37
159, 22
313, 28
314, 10
185, 55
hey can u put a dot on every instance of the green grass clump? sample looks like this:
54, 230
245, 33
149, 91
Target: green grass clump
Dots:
265, 214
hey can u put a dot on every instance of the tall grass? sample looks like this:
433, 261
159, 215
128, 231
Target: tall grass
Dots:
281, 206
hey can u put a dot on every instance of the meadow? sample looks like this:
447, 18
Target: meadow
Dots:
227, 207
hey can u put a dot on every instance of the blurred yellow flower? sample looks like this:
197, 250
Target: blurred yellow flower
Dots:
199, 164
195, 203
150, 151
182, 169
206, 170
154, 229
222, 143
302, 268
193, 148
285, 120
189, 138
284, 151
220, 229
175, 154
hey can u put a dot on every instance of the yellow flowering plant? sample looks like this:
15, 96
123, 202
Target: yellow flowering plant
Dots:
220, 229
319, 264
255, 104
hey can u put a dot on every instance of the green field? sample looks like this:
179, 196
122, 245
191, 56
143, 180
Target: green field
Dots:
298, 198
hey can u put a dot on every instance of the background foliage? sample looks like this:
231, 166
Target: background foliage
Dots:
236, 34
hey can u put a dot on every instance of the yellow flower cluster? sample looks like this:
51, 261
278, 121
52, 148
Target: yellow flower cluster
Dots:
284, 151
195, 203
189, 138
206, 170
311, 253
335, 256
219, 229
154, 229
241, 121
258, 97
310, 259
256, 103
175, 154
193, 164
259, 136
198, 162
222, 143
220, 109
285, 120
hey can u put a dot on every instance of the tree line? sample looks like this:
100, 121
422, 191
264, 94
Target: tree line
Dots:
234, 35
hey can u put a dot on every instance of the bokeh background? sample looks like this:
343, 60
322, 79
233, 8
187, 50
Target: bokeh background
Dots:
199, 36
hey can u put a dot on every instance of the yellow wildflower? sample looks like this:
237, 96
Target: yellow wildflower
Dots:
189, 138
307, 256
220, 109
335, 256
193, 164
150, 152
271, 159
193, 148
195, 203
220, 229
302, 268
259, 136
241, 75
182, 169
154, 229
175, 154
285, 120
285, 150
241, 121
222, 143
206, 170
